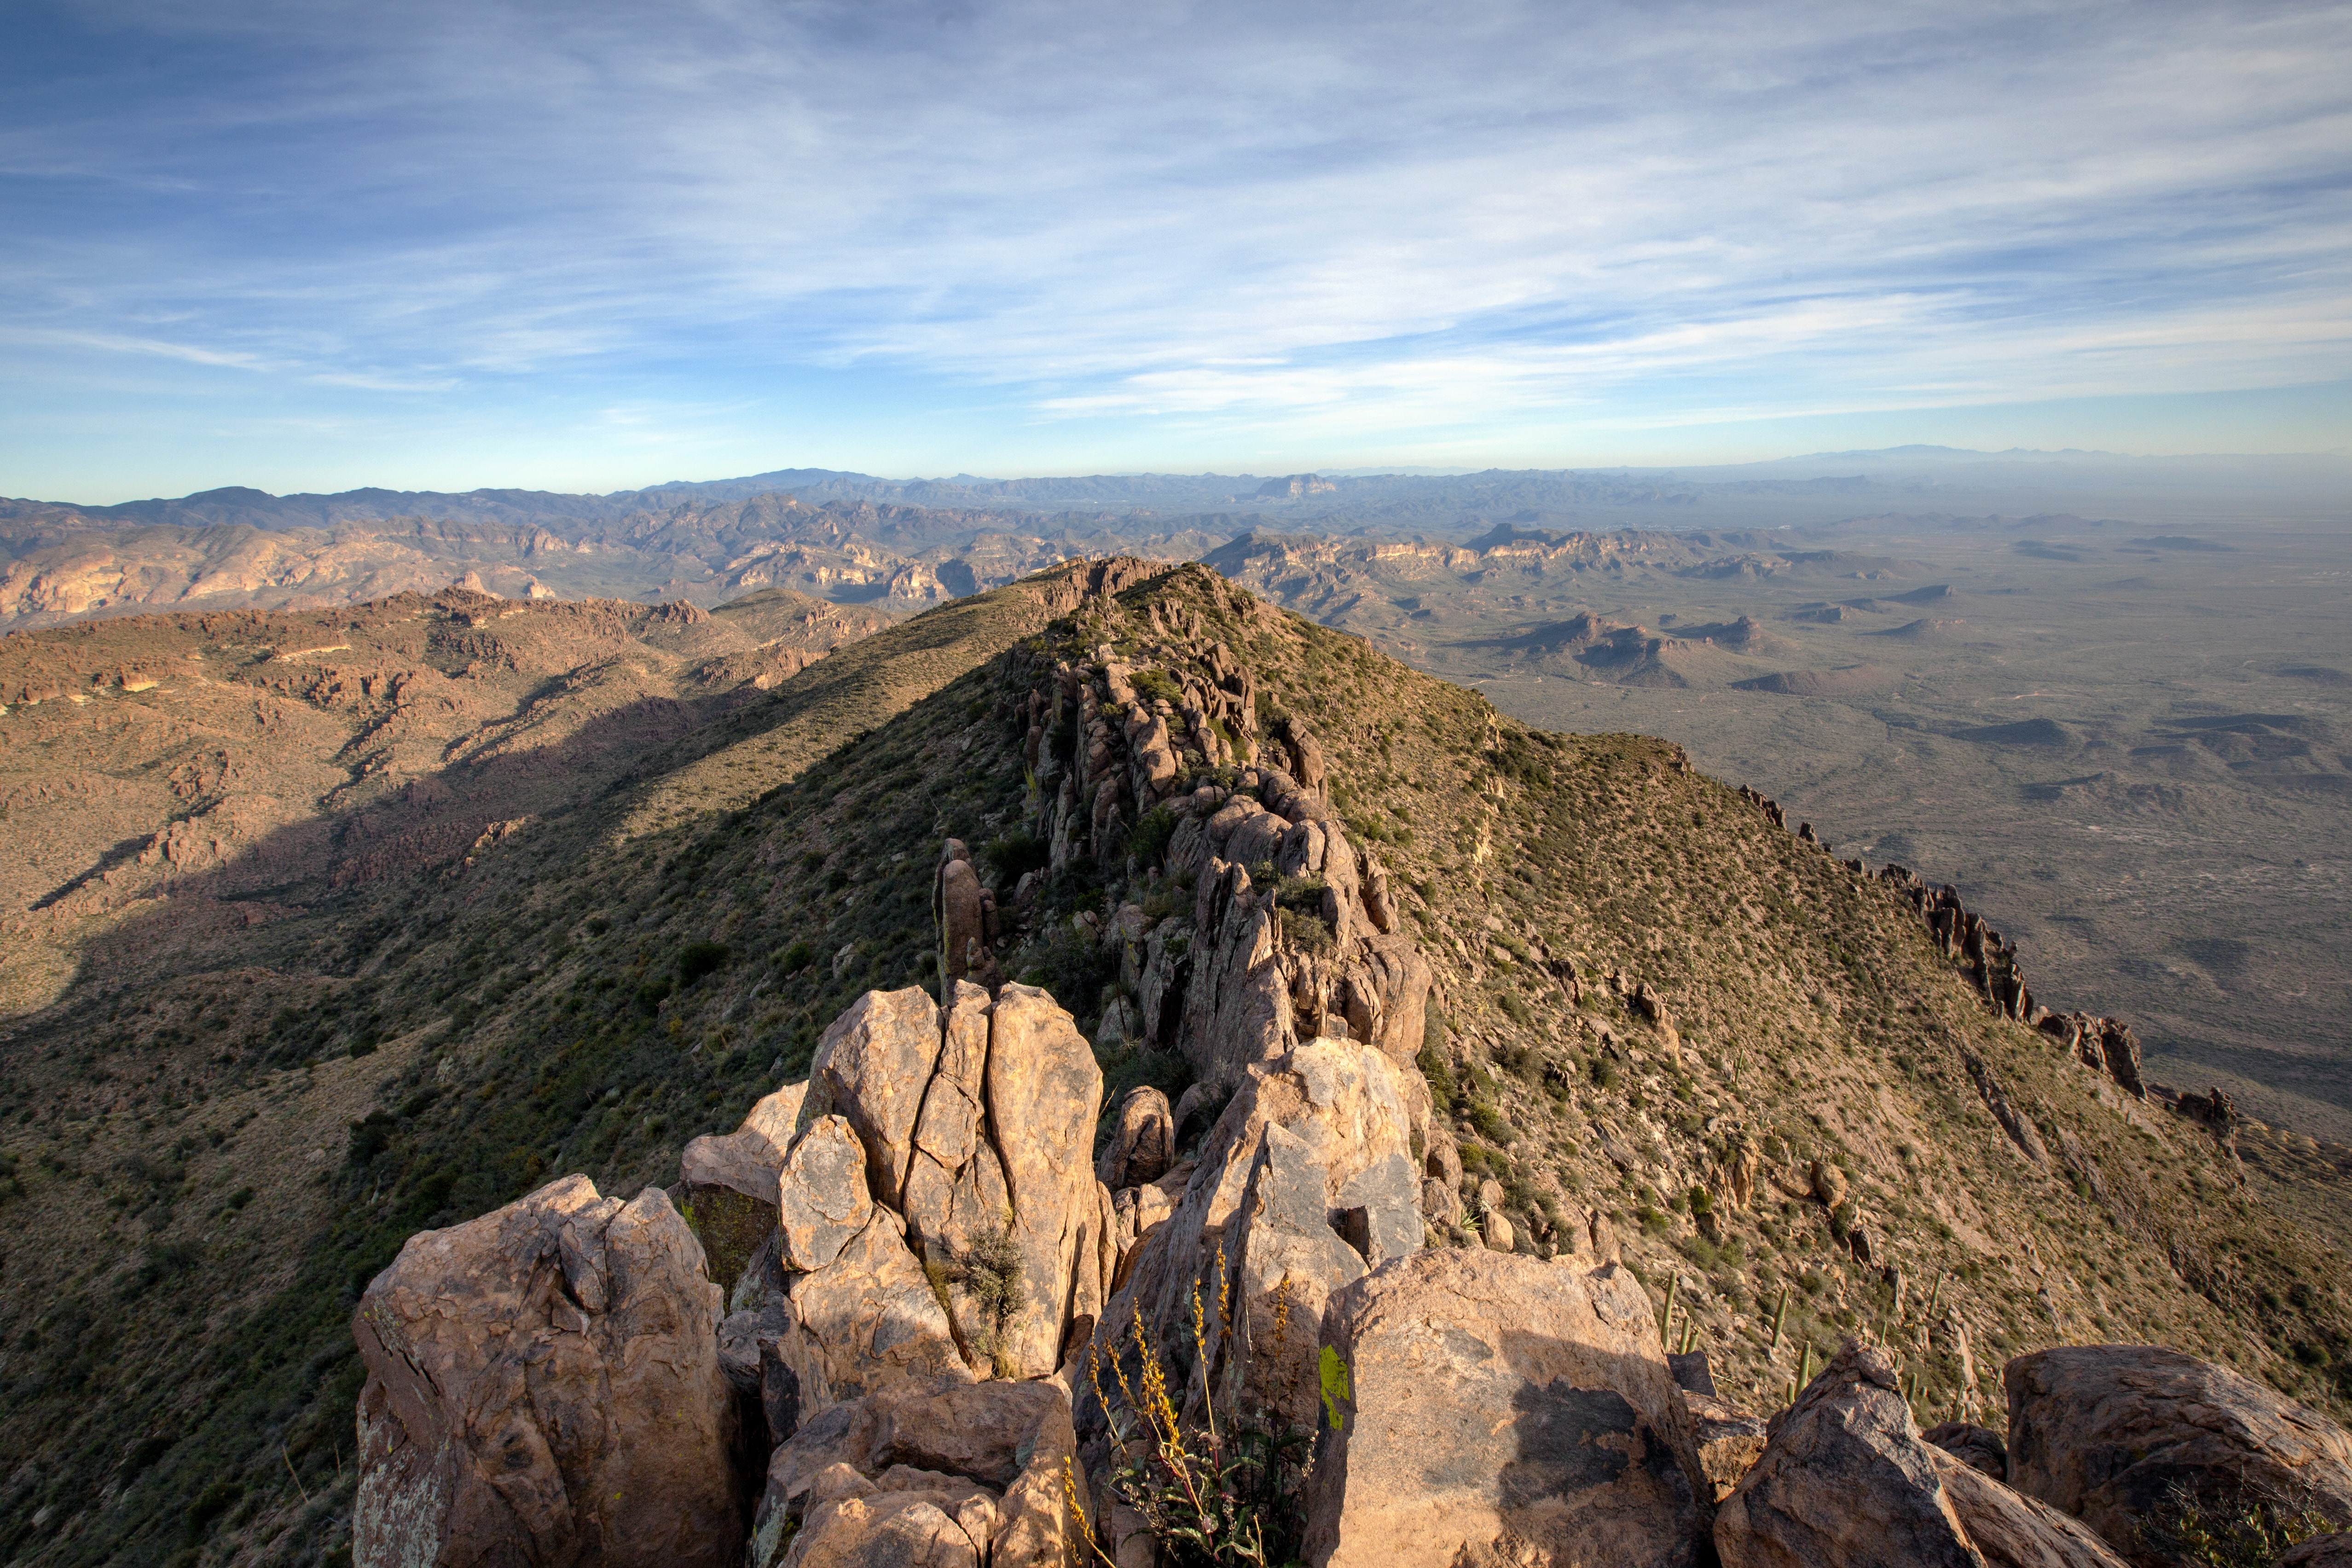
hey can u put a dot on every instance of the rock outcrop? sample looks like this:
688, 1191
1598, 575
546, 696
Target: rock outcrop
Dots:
938, 1209
1502, 1409
947, 1475
1305, 1182
1978, 1448
543, 1386
1142, 1145
2107, 1432
1847, 1481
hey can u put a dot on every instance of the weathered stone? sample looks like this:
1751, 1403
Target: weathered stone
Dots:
1829, 1184
872, 1066
1847, 1481
2320, 1551
962, 917
544, 1385
1142, 1142
746, 1161
2104, 1433
1729, 1440
1238, 1006
988, 1457
1044, 1090
1978, 1448
1378, 1210
866, 1320
824, 1200
2014, 1531
1386, 997
1494, 1230
1502, 1410
1287, 1262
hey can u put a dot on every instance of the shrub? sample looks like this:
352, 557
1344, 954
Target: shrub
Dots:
1157, 687
1228, 1492
2247, 1527
698, 959
1013, 853
1147, 844
797, 958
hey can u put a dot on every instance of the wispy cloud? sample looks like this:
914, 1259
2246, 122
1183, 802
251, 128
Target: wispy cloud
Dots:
1177, 215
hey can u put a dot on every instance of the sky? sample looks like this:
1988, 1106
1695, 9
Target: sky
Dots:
315, 244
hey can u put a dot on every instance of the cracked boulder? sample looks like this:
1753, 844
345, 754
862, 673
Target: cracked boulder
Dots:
1492, 1409
1847, 1482
545, 1387
2105, 1433
939, 1211
945, 1474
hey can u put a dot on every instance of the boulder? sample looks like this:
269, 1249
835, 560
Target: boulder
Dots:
867, 1321
544, 1384
2320, 1551
1288, 1263
1847, 1481
2106, 1432
1978, 1448
727, 1183
746, 1161
1729, 1440
1338, 1105
962, 916
872, 1066
1238, 1006
1142, 1144
991, 1245
1043, 1092
949, 1472
1498, 1409
2011, 1529
823, 1197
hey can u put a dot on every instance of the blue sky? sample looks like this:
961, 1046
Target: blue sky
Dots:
577, 245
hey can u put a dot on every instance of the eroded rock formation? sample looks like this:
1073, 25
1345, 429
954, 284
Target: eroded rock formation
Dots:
543, 1386
2105, 1434
1503, 1409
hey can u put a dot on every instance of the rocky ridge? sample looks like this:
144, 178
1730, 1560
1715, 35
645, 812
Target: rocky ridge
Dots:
1622, 1012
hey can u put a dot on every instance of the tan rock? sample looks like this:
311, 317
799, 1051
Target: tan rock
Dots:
1978, 1448
1829, 1184
2320, 1551
868, 1320
986, 1458
823, 1202
1729, 1441
872, 1066
962, 917
1142, 1144
543, 1385
2104, 1432
746, 1161
1044, 1090
2014, 1531
1847, 1481
1502, 1410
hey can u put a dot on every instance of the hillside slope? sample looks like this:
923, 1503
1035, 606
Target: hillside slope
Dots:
1650, 1001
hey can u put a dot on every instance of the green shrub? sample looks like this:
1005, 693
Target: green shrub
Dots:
1012, 854
1157, 687
797, 958
1148, 842
698, 960
1435, 1069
